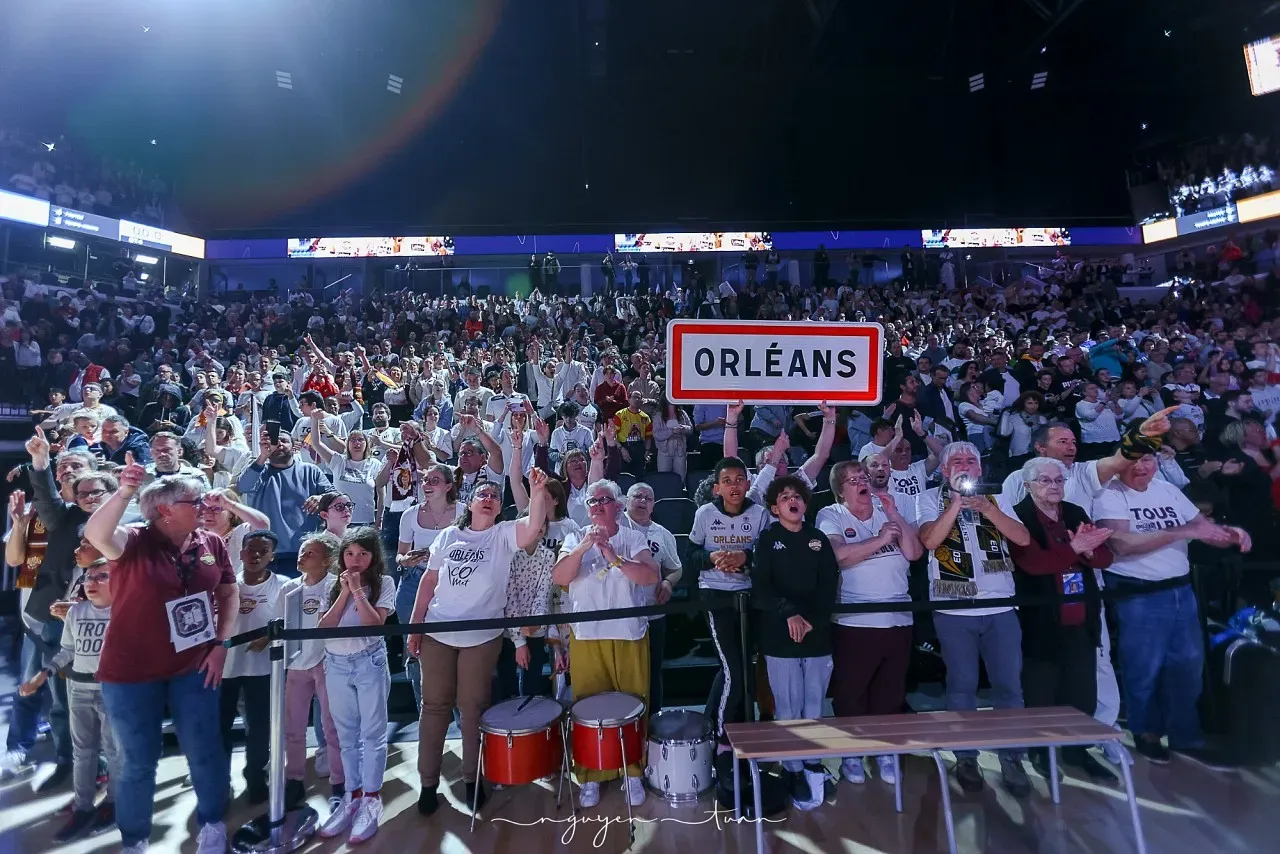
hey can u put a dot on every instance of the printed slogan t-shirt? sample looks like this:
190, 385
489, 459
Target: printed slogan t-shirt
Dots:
474, 567
1161, 505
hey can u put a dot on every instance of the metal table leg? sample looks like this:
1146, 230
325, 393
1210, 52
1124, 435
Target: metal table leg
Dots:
946, 801
897, 782
1139, 839
759, 818
1053, 774
737, 788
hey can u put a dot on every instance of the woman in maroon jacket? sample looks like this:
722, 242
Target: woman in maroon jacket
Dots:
611, 395
1059, 642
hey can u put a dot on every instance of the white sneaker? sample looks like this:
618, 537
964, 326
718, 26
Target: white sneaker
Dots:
635, 791
365, 823
12, 763
887, 772
212, 839
339, 818
322, 762
817, 781
1114, 754
852, 770
589, 795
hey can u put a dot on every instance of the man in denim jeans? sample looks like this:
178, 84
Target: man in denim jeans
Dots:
1161, 648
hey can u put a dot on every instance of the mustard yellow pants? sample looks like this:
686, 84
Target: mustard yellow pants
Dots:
597, 666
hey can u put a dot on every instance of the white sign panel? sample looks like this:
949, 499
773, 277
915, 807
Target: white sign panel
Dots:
712, 361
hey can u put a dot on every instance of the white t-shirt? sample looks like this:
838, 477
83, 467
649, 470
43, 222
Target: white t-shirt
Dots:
235, 542
599, 586
567, 440
576, 501
305, 610
417, 536
474, 567
440, 438
980, 571
1096, 426
662, 545
1267, 399
1161, 505
259, 605
971, 427
355, 480
870, 450
499, 407
556, 533
351, 617
525, 464
302, 432
910, 483
879, 578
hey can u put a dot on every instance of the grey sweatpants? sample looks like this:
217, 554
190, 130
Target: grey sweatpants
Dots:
799, 686
90, 735
997, 640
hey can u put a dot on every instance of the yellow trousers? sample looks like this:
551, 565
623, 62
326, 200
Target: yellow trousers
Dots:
597, 666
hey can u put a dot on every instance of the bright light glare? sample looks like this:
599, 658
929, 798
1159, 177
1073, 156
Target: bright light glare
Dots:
61, 243
145, 276
146, 259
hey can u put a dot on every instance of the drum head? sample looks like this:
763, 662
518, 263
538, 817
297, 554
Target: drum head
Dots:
508, 717
679, 725
608, 709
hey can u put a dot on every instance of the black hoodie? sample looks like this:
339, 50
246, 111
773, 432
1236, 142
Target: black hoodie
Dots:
795, 573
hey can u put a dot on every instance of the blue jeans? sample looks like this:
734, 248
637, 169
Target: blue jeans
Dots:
25, 719
1161, 661
358, 688
51, 700
391, 533
997, 640
406, 593
137, 715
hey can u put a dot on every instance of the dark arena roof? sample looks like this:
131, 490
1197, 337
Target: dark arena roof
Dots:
268, 117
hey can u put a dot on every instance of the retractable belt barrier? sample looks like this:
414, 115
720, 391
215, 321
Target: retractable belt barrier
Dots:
693, 607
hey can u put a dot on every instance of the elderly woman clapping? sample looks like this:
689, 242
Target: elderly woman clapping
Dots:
1059, 641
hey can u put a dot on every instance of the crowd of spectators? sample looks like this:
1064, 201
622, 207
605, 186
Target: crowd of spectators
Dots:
446, 458
59, 171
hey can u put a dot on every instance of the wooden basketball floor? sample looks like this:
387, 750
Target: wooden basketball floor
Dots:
1185, 808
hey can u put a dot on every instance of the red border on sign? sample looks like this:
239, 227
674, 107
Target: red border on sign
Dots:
677, 329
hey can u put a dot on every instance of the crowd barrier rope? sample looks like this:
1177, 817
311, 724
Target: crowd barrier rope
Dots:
693, 606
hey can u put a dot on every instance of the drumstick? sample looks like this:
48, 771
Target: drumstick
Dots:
527, 701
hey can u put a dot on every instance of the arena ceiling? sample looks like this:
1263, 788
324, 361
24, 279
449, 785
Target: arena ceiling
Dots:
516, 115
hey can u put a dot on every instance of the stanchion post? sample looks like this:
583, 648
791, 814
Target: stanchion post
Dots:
742, 601
275, 768
279, 831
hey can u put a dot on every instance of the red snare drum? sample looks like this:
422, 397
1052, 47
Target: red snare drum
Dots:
605, 724
521, 740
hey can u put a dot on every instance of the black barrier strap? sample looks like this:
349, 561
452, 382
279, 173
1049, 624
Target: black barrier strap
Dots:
1106, 595
698, 606
246, 637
